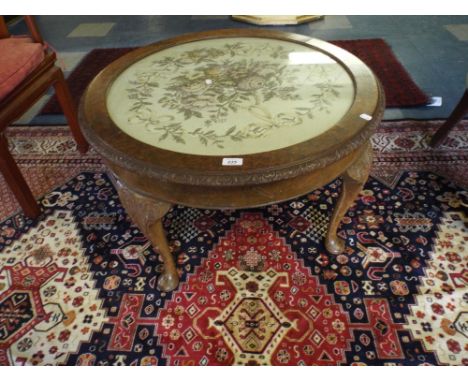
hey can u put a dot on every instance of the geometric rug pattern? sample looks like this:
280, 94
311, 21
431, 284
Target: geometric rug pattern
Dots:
77, 285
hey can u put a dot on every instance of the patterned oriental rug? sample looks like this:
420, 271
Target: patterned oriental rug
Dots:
400, 89
77, 287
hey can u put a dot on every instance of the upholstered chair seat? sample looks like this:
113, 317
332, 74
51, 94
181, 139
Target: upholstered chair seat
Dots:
19, 56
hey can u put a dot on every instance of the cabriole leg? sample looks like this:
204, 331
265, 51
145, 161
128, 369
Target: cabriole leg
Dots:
354, 179
147, 213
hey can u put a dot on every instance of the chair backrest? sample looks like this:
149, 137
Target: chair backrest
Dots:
3, 28
30, 23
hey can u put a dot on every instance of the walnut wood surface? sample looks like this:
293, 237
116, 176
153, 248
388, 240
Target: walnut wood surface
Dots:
150, 180
354, 179
347, 135
221, 197
147, 214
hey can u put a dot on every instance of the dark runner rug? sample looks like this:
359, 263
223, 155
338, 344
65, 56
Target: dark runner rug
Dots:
400, 89
77, 286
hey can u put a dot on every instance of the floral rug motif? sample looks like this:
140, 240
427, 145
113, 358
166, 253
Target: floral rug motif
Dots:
77, 286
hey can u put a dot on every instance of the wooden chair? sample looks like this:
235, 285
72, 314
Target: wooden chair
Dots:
457, 114
27, 70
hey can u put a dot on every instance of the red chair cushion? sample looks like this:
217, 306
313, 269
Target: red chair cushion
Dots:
19, 56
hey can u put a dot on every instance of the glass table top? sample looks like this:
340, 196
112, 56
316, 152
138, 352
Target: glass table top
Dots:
230, 96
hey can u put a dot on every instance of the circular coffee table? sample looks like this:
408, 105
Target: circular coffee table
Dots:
232, 119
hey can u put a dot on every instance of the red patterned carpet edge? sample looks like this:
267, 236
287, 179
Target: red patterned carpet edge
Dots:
48, 158
400, 89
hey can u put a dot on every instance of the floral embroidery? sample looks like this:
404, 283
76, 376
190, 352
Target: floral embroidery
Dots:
221, 83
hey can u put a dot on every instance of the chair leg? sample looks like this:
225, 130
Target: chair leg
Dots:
457, 114
16, 182
68, 107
